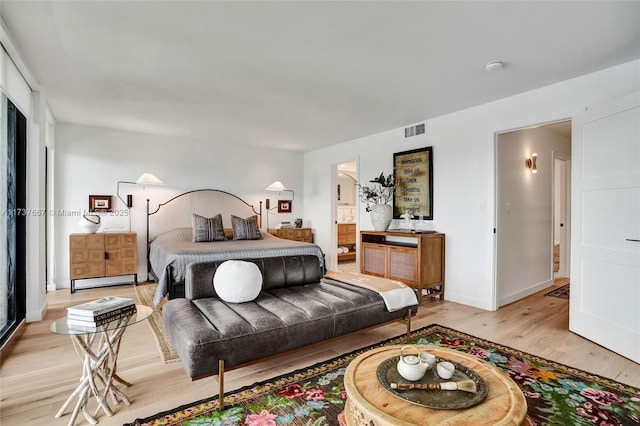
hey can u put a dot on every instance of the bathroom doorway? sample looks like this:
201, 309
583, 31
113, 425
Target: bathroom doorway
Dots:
346, 216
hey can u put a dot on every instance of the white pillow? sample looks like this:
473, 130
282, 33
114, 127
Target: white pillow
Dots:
237, 281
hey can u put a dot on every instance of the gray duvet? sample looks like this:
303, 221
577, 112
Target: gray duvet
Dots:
176, 248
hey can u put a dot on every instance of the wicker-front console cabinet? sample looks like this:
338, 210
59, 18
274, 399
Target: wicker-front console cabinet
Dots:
416, 259
102, 255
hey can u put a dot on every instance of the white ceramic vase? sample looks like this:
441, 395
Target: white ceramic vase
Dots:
89, 224
381, 215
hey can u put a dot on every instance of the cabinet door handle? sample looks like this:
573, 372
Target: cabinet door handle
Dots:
633, 240
106, 255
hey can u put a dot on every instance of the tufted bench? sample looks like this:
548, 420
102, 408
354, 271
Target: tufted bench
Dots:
294, 308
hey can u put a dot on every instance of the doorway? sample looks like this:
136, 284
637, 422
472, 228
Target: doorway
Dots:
525, 208
346, 224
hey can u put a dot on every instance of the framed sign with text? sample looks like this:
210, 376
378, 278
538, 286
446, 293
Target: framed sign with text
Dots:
413, 171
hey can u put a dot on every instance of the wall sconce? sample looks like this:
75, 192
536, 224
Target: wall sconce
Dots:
284, 206
530, 163
278, 186
144, 180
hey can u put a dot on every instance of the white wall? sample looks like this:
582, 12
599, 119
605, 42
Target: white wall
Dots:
463, 154
525, 211
91, 160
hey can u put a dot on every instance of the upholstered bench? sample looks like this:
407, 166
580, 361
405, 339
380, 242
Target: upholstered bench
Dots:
295, 307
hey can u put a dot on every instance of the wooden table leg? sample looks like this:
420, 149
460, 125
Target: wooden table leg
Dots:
98, 374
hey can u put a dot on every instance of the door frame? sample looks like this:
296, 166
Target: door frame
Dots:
565, 253
523, 125
333, 264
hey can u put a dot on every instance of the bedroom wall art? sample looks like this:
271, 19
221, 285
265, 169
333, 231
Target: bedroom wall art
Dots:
413, 172
100, 204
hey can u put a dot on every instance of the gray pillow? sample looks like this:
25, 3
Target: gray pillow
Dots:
205, 229
245, 229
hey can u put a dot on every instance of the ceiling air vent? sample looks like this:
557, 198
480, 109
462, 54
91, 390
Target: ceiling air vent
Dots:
418, 129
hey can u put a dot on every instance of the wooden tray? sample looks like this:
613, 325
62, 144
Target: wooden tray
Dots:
440, 399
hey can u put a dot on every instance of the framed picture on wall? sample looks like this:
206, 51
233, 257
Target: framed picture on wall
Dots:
413, 171
100, 203
284, 206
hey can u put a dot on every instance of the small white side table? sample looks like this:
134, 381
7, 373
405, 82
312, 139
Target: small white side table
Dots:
99, 364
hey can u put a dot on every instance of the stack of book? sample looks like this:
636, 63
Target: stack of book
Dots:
100, 312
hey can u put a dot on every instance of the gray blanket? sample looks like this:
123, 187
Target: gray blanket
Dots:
176, 248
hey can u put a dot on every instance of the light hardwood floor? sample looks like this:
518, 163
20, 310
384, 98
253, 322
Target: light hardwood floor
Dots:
42, 369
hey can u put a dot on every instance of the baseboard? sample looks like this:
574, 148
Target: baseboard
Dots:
30, 317
465, 300
524, 293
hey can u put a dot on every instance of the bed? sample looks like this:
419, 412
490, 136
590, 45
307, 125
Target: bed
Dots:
171, 249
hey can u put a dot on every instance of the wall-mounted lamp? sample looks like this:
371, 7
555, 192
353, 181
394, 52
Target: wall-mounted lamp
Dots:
284, 206
530, 163
144, 180
148, 179
278, 186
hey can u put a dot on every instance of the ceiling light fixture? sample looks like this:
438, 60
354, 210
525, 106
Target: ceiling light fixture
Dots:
494, 66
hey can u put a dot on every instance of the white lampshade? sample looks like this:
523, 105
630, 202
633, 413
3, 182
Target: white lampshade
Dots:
149, 179
276, 186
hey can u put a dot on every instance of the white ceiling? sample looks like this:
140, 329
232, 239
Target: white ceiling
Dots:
302, 75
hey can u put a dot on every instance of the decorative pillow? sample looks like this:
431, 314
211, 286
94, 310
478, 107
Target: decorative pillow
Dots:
237, 281
245, 229
207, 228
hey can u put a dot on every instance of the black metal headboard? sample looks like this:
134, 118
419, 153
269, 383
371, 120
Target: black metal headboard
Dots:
206, 202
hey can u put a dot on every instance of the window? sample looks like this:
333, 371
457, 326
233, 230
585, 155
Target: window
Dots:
13, 150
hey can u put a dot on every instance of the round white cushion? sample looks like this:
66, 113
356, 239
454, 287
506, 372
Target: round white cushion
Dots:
237, 281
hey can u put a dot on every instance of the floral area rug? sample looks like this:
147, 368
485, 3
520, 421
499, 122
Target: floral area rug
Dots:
145, 292
561, 292
556, 394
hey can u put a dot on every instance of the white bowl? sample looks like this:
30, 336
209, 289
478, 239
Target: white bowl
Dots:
428, 359
445, 369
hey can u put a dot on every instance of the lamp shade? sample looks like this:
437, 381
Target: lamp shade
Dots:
276, 186
149, 179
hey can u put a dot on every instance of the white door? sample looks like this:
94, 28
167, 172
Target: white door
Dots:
605, 239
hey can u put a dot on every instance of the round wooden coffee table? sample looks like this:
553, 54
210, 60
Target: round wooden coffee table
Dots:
369, 403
